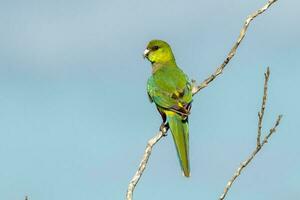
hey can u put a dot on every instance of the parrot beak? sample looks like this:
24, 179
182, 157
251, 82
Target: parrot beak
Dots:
146, 53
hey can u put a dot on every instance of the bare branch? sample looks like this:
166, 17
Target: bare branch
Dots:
259, 145
135, 179
219, 70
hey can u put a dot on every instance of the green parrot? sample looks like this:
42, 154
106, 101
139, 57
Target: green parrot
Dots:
169, 88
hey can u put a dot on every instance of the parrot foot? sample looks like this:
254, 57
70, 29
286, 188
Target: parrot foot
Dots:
164, 127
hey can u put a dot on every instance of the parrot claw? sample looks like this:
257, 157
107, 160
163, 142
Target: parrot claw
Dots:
164, 127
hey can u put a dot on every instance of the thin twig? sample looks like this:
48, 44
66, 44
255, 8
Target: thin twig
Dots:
135, 179
263, 106
271, 131
259, 144
219, 70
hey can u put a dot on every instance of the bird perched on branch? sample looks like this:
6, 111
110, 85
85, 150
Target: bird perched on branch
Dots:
169, 88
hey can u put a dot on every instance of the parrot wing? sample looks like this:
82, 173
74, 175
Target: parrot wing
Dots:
177, 100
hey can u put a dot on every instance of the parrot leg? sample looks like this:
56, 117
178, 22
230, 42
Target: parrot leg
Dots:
164, 127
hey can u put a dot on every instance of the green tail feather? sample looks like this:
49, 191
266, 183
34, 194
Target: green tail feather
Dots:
180, 132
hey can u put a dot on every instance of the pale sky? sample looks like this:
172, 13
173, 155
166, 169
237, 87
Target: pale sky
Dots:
75, 117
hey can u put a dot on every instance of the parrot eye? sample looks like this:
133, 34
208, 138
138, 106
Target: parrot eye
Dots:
154, 48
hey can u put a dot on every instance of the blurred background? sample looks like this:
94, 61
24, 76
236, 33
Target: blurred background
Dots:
75, 117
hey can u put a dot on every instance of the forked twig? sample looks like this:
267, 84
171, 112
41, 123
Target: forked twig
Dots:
259, 144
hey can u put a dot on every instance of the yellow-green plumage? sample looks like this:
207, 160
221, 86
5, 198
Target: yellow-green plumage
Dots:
170, 90
180, 132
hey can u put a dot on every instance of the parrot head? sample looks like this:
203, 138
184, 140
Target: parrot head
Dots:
159, 52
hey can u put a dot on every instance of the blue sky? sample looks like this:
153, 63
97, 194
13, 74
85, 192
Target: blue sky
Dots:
75, 116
